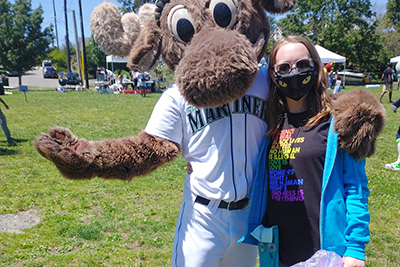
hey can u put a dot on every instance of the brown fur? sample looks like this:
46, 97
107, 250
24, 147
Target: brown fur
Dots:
111, 159
360, 118
207, 74
146, 50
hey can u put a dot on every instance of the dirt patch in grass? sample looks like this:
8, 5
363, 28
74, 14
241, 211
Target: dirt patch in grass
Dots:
17, 222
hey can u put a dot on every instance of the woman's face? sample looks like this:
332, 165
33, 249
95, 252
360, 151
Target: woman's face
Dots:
291, 53
296, 88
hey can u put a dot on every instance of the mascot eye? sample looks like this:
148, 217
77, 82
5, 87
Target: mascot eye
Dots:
181, 24
224, 12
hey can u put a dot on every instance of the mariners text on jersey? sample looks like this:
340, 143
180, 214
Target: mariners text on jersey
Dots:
249, 104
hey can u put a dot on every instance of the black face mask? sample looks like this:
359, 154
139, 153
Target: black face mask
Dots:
295, 84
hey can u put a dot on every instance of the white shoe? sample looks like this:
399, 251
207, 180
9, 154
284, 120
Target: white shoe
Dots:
393, 166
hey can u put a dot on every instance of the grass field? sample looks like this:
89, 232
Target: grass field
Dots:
114, 223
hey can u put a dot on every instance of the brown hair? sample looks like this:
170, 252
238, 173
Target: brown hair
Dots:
319, 102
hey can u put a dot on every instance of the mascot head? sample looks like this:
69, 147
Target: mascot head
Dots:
213, 46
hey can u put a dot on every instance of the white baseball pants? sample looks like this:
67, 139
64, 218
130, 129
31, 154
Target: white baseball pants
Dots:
206, 236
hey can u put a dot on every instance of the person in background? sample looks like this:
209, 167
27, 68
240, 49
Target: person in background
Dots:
118, 86
141, 84
112, 79
395, 165
338, 85
315, 192
3, 123
329, 69
263, 63
387, 77
135, 75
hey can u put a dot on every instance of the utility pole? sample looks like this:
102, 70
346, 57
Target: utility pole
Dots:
55, 24
66, 37
83, 48
77, 45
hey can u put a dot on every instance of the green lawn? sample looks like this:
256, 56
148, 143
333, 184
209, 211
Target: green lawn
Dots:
114, 223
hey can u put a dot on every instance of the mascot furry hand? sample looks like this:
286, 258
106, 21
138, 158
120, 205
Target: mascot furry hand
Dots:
214, 48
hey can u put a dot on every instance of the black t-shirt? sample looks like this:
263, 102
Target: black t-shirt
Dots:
388, 72
296, 163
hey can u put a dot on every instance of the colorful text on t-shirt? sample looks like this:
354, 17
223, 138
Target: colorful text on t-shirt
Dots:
281, 174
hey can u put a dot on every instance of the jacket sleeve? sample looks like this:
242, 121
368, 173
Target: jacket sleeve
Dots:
357, 215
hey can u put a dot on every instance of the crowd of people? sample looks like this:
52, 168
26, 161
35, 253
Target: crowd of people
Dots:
119, 83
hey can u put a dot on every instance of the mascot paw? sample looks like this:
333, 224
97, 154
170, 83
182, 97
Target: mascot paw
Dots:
73, 157
63, 135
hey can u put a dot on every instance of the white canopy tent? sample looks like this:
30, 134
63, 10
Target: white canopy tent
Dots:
397, 66
395, 59
115, 59
329, 56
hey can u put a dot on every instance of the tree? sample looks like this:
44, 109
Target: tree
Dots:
392, 16
131, 5
389, 27
22, 42
390, 34
58, 58
343, 26
95, 57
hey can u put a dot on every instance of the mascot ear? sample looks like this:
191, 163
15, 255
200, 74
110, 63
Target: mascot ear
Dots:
147, 48
277, 6
359, 119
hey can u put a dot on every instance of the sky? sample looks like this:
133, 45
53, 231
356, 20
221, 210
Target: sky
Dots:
87, 8
72, 5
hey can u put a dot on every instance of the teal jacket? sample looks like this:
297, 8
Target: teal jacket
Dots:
344, 212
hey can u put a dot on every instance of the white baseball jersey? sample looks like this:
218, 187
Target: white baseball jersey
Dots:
221, 144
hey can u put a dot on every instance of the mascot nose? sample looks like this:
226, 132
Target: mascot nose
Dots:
218, 66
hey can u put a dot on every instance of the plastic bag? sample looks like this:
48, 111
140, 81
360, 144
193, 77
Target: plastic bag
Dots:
322, 258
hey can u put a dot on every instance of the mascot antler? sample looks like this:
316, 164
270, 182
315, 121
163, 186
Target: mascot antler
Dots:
116, 33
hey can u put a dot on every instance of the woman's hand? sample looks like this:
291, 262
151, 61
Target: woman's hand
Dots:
353, 262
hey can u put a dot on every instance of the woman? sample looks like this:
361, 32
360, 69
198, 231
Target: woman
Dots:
316, 193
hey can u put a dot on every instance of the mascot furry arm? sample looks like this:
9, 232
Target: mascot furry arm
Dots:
214, 56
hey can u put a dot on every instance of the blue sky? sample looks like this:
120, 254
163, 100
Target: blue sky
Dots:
48, 16
87, 8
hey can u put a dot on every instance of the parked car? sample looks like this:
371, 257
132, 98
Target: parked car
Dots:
71, 78
47, 63
12, 73
5, 81
353, 77
49, 72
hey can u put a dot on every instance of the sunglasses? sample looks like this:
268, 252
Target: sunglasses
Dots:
301, 65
